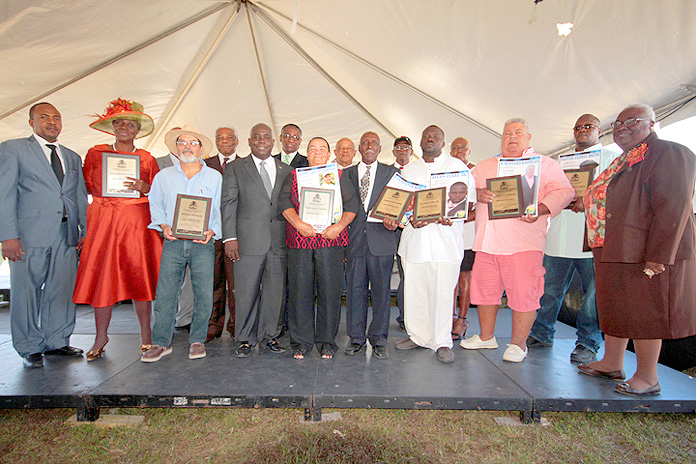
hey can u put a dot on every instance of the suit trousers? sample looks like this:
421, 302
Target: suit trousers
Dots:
314, 272
42, 314
260, 290
223, 292
373, 272
176, 255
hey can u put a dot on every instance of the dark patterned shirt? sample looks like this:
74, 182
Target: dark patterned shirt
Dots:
290, 198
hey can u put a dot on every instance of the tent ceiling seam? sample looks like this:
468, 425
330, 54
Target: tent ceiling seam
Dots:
392, 77
194, 76
204, 14
263, 77
318, 68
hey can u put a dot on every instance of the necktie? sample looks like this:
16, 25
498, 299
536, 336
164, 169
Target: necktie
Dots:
365, 184
55, 163
225, 163
265, 178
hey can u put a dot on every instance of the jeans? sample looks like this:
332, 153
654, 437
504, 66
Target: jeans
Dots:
559, 275
176, 255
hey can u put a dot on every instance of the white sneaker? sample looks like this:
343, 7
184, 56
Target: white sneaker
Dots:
514, 354
475, 343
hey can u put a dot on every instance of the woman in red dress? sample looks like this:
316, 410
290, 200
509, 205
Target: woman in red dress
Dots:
120, 256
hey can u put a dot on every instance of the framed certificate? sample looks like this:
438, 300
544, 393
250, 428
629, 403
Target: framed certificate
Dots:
115, 168
580, 179
429, 204
191, 215
507, 202
317, 207
392, 203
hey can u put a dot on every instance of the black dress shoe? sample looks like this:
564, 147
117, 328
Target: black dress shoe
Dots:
69, 351
354, 348
274, 346
380, 352
33, 360
184, 328
243, 350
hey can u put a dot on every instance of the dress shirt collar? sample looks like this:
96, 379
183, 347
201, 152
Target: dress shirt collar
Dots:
270, 167
222, 158
287, 157
47, 151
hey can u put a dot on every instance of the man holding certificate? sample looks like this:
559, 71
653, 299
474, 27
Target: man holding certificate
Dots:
509, 251
564, 256
185, 207
370, 254
431, 253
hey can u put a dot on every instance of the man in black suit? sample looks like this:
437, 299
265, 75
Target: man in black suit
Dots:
43, 211
226, 141
254, 235
528, 186
370, 254
290, 140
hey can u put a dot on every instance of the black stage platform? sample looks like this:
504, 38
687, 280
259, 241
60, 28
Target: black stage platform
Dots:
545, 381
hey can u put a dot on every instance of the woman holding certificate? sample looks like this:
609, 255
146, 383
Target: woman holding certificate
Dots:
641, 229
120, 255
315, 257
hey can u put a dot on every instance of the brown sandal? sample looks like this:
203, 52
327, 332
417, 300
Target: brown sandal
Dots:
458, 327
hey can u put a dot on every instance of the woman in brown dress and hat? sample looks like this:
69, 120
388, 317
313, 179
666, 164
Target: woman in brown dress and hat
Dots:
641, 230
120, 257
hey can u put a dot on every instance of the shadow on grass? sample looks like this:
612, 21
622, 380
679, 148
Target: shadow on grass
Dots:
351, 444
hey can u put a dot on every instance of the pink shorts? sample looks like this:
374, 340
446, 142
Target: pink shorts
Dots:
520, 275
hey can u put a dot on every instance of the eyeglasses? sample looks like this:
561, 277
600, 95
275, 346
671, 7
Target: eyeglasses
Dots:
401, 148
193, 143
630, 122
587, 126
291, 137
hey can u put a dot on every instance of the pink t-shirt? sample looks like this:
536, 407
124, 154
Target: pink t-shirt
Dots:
508, 236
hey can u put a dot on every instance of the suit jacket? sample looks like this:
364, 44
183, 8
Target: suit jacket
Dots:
370, 237
649, 215
299, 161
31, 199
527, 191
164, 161
248, 213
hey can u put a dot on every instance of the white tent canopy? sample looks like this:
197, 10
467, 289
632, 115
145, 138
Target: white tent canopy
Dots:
339, 68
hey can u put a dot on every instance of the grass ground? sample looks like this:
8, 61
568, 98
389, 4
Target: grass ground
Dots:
360, 436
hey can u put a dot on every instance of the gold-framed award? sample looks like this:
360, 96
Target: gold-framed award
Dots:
116, 168
580, 179
507, 201
191, 216
317, 207
429, 205
392, 203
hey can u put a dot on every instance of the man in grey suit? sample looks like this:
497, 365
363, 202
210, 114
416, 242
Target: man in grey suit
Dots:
370, 254
254, 236
43, 206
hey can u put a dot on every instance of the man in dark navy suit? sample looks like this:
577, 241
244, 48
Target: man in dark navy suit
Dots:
370, 254
290, 140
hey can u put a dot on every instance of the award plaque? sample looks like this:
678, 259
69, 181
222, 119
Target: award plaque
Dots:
580, 179
191, 216
392, 203
116, 167
430, 204
317, 207
507, 202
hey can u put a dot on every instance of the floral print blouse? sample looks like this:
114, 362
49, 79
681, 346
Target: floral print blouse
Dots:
595, 198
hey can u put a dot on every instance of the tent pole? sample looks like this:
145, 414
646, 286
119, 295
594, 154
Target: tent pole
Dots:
164, 119
393, 77
263, 77
318, 68
120, 56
